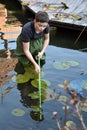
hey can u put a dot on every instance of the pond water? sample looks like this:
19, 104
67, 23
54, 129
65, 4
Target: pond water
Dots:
20, 107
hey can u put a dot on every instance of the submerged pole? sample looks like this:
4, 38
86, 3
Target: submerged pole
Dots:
39, 86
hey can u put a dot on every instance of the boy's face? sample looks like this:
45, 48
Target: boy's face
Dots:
39, 27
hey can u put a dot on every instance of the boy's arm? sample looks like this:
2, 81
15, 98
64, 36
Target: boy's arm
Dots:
45, 44
29, 56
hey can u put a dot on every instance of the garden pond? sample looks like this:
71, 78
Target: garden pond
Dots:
24, 104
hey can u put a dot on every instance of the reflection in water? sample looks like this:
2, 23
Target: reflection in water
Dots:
9, 31
66, 38
13, 18
6, 73
6, 67
60, 38
25, 89
28, 93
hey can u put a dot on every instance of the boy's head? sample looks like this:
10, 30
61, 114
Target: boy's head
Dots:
41, 21
42, 17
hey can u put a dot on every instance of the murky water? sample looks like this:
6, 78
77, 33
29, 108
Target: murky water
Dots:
19, 110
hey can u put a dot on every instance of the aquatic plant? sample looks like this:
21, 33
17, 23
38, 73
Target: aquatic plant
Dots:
18, 112
63, 65
72, 105
21, 78
44, 83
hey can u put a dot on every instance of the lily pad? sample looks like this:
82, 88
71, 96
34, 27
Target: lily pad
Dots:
18, 112
31, 71
44, 83
65, 65
61, 65
63, 98
36, 108
71, 124
72, 63
34, 95
50, 94
21, 78
46, 94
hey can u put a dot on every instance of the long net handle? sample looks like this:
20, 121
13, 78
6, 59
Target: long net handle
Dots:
39, 86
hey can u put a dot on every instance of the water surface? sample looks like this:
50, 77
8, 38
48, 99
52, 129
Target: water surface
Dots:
16, 111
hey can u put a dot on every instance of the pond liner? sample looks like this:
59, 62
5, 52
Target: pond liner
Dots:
70, 14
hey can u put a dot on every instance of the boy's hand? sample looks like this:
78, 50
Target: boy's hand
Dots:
37, 68
40, 54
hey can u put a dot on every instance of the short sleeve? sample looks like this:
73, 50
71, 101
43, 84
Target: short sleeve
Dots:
25, 35
47, 29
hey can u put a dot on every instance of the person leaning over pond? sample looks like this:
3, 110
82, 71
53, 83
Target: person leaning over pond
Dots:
33, 40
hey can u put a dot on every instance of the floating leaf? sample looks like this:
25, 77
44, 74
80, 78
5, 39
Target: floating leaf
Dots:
47, 82
50, 94
44, 83
71, 124
72, 63
61, 65
35, 108
63, 98
46, 94
18, 112
31, 71
21, 78
34, 95
65, 65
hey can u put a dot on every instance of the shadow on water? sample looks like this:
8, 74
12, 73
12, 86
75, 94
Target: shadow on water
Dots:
20, 108
67, 38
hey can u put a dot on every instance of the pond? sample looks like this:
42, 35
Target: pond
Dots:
26, 106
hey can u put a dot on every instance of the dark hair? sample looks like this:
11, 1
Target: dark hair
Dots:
42, 16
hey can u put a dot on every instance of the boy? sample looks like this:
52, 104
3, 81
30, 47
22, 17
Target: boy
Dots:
33, 40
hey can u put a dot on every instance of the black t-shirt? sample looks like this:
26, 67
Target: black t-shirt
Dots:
28, 32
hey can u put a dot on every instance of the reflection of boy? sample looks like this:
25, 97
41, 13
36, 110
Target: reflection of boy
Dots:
33, 40
25, 90
37, 115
